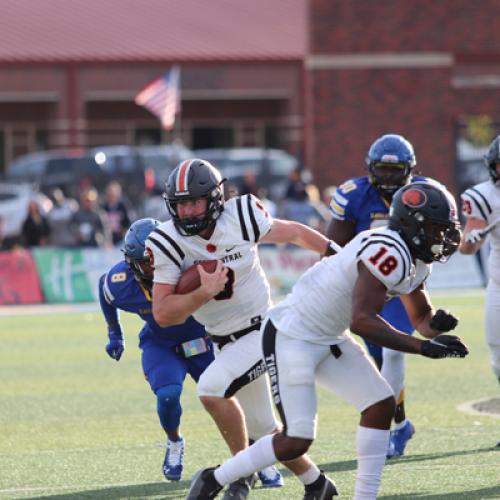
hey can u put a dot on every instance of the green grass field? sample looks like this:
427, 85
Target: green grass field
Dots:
75, 424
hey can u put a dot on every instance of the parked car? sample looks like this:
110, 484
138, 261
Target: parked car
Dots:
67, 169
14, 200
159, 161
271, 166
140, 170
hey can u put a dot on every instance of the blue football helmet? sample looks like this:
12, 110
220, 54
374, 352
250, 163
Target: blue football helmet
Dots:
134, 249
390, 161
492, 157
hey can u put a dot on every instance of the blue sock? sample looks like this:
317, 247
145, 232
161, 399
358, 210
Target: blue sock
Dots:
168, 406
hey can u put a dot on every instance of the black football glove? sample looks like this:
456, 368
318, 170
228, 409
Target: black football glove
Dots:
443, 321
444, 346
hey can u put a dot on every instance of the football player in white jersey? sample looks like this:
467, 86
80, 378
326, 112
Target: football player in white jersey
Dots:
231, 302
481, 207
306, 338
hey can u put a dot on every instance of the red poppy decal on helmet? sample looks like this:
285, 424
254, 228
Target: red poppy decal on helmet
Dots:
414, 198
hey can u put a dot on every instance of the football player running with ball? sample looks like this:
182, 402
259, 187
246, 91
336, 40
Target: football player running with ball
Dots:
481, 207
363, 203
231, 302
306, 337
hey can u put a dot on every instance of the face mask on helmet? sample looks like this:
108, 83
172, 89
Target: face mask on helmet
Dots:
437, 241
390, 161
142, 269
135, 253
425, 216
194, 224
388, 177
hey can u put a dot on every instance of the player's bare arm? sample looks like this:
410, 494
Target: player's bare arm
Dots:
467, 246
170, 308
368, 299
341, 231
298, 234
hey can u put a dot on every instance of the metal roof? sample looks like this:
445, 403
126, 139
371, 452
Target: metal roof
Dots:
151, 30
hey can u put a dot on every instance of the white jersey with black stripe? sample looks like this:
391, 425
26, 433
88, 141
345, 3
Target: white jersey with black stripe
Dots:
319, 307
483, 202
234, 241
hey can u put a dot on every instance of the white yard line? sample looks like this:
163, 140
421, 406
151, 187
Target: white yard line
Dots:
35, 309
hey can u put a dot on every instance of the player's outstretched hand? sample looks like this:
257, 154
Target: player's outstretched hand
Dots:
115, 346
474, 236
213, 283
443, 321
444, 346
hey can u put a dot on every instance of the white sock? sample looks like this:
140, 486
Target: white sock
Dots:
400, 425
371, 446
310, 475
259, 456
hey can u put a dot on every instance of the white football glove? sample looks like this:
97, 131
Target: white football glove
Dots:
474, 236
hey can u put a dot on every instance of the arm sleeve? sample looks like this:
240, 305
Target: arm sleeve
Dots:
475, 204
386, 261
254, 219
110, 312
343, 200
165, 258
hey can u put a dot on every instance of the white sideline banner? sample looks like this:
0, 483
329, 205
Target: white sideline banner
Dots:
284, 266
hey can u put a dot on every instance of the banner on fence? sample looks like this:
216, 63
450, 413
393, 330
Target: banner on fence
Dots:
19, 283
70, 275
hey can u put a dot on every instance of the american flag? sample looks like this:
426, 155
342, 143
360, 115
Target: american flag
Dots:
162, 97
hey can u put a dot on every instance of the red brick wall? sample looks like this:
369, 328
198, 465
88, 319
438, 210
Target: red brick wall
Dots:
352, 107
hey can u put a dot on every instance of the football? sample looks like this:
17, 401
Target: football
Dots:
190, 278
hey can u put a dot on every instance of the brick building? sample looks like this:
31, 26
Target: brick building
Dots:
321, 78
69, 72
417, 67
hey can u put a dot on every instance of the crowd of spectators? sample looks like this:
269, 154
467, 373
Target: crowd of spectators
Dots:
92, 221
101, 219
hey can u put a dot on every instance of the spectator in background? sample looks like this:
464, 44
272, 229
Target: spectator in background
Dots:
116, 216
59, 217
250, 184
301, 209
35, 230
296, 189
269, 205
87, 223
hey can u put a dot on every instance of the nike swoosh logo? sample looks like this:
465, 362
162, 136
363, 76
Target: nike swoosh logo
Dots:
229, 249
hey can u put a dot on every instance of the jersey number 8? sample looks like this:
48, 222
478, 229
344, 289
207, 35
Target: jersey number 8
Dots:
387, 265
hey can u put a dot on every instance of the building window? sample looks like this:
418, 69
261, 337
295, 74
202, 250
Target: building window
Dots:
212, 137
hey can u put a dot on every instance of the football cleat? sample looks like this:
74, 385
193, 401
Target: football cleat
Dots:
204, 486
174, 460
270, 477
240, 489
399, 439
325, 490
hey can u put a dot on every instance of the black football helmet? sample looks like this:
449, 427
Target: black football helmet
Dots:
425, 215
390, 161
492, 158
195, 179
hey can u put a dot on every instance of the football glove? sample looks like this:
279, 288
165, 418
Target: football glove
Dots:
444, 346
474, 236
116, 345
443, 321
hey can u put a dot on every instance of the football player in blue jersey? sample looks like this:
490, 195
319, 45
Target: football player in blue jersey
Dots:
362, 203
168, 354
